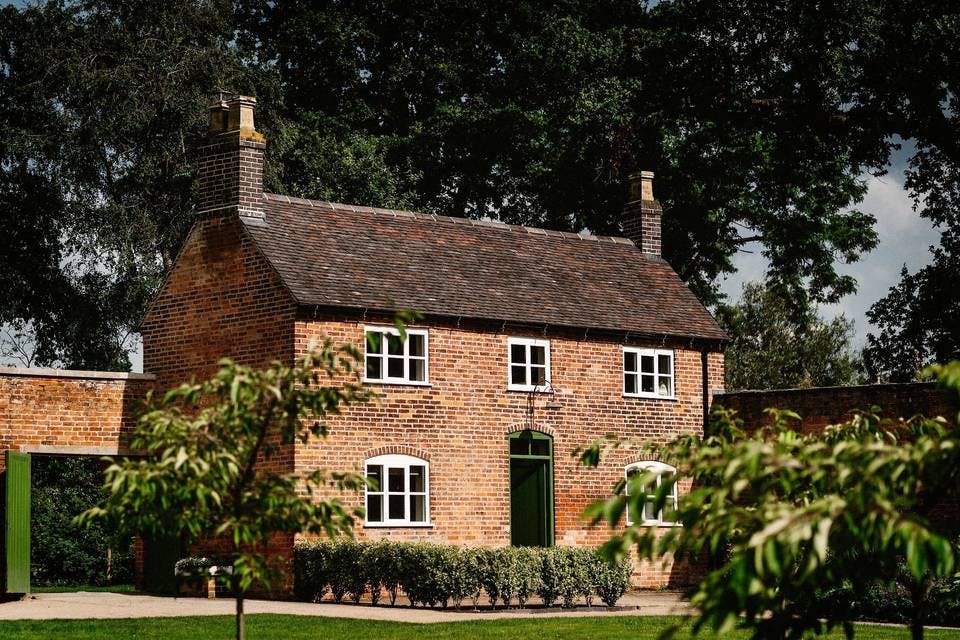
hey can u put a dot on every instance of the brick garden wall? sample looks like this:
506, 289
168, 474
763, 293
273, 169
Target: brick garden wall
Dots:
79, 412
461, 423
821, 406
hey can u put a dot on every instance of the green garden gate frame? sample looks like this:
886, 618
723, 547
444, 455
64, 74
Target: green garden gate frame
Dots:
531, 489
16, 524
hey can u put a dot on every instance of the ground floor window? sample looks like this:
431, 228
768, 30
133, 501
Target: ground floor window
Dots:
398, 493
653, 475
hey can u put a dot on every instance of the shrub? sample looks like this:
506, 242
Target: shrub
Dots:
551, 575
311, 570
465, 577
433, 574
527, 566
610, 579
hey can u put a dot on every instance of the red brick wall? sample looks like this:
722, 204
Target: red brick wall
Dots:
68, 411
821, 406
221, 300
462, 421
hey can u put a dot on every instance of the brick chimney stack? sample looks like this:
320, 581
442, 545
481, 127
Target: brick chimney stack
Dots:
642, 214
231, 163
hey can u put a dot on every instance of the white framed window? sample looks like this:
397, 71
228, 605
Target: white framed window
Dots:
402, 493
529, 364
648, 373
648, 516
388, 359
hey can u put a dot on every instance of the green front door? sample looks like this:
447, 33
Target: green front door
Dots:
160, 555
16, 523
531, 489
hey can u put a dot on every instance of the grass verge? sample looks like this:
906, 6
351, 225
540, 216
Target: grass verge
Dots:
263, 626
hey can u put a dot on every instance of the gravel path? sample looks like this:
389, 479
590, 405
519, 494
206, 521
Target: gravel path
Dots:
83, 604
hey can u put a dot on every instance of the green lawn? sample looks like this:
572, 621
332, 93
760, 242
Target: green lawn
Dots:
113, 588
296, 628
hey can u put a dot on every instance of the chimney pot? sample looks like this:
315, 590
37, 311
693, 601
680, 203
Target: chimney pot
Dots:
241, 115
218, 116
641, 186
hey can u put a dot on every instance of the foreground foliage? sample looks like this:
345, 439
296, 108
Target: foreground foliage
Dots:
307, 628
212, 468
783, 516
444, 575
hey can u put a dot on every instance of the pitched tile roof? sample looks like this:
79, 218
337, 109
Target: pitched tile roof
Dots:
345, 256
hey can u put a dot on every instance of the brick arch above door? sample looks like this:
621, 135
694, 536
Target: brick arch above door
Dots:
523, 425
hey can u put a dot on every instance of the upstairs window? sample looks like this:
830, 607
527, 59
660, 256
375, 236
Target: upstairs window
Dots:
400, 495
648, 515
529, 366
648, 373
394, 361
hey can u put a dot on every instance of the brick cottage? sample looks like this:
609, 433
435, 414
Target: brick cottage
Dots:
532, 342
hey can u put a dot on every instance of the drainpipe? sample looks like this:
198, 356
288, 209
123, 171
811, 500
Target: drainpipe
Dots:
705, 382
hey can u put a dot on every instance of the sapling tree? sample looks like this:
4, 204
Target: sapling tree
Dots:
216, 463
782, 515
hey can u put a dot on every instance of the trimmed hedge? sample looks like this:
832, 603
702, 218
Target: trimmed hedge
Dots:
440, 575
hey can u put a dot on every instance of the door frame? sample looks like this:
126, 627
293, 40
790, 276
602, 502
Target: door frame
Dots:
531, 435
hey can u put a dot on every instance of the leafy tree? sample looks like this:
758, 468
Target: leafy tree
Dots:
784, 515
101, 104
919, 319
215, 462
774, 345
759, 119
61, 552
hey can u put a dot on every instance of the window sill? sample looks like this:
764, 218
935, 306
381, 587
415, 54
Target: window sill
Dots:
396, 383
529, 387
649, 396
397, 525
656, 525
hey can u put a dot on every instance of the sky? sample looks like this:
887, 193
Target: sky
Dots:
904, 236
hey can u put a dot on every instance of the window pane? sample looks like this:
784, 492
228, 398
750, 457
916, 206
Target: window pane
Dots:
540, 447
396, 507
663, 364
418, 508
394, 345
394, 367
669, 512
629, 361
538, 355
375, 473
646, 384
518, 375
374, 367
418, 370
374, 508
395, 480
374, 342
519, 447
630, 383
417, 343
648, 512
646, 364
538, 375
417, 473
665, 386
518, 354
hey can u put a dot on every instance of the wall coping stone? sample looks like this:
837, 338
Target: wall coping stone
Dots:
39, 372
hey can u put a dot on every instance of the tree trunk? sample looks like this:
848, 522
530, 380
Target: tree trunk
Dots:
238, 594
918, 592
